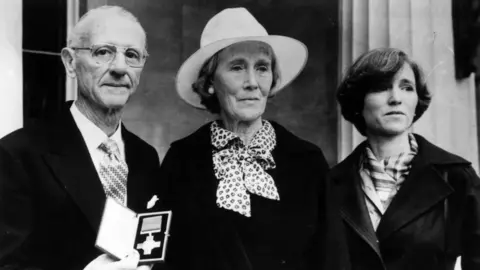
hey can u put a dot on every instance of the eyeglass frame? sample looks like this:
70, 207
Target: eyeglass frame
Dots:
117, 50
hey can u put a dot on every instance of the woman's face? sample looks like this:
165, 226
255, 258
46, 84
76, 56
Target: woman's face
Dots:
243, 80
389, 110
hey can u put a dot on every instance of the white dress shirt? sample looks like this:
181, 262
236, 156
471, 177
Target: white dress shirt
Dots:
94, 136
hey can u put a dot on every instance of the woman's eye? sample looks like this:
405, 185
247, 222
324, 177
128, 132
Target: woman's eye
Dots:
237, 67
262, 68
378, 89
409, 88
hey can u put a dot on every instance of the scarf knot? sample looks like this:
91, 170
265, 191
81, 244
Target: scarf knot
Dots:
241, 168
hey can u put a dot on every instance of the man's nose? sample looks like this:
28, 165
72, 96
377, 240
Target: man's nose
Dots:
119, 64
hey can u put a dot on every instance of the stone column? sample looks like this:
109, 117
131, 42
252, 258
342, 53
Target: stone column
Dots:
11, 84
73, 14
423, 29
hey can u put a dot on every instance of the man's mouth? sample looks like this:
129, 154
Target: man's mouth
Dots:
116, 85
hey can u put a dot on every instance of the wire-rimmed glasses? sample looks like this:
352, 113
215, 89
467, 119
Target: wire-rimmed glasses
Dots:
105, 53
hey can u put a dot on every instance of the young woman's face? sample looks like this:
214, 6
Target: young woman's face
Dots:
389, 110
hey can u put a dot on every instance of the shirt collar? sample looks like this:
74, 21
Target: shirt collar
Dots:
412, 151
91, 133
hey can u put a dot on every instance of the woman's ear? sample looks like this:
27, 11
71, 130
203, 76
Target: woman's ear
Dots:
68, 59
271, 94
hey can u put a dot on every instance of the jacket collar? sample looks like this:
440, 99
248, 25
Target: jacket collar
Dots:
287, 141
70, 161
423, 188
428, 154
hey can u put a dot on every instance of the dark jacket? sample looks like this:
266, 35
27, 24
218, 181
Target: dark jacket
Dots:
51, 198
278, 235
434, 217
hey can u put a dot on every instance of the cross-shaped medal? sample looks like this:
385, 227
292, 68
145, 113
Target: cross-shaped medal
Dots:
148, 245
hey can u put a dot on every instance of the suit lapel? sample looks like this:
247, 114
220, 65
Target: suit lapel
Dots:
71, 163
142, 172
423, 189
353, 208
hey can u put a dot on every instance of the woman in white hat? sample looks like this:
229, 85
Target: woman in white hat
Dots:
244, 191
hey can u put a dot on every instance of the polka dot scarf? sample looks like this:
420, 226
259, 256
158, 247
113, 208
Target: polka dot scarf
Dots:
241, 169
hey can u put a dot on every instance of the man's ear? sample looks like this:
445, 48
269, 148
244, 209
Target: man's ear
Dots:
68, 59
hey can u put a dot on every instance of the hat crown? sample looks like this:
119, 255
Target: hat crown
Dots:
231, 23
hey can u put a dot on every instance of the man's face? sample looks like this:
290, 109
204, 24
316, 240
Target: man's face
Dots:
109, 85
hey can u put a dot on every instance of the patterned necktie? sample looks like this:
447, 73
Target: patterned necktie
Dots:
113, 172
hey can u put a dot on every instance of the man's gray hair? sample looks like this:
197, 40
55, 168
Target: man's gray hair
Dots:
80, 33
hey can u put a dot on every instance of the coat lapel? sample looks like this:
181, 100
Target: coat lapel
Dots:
71, 163
423, 189
353, 208
201, 168
143, 168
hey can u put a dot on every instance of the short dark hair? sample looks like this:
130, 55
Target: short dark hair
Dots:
372, 70
207, 74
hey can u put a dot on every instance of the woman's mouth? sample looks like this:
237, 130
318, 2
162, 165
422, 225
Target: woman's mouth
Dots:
395, 113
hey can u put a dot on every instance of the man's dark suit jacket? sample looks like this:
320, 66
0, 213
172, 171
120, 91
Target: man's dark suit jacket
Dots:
51, 198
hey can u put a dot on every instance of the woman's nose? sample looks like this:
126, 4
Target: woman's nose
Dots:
251, 82
395, 95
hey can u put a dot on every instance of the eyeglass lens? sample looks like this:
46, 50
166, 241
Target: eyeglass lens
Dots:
105, 53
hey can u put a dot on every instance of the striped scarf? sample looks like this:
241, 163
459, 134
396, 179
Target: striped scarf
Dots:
388, 174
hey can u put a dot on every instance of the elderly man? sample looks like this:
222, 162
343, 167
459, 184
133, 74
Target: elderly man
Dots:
55, 177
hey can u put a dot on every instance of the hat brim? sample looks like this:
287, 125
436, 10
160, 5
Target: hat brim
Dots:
290, 53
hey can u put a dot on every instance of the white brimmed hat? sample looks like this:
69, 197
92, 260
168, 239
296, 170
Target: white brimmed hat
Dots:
231, 26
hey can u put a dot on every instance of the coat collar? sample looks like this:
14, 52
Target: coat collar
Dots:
286, 141
289, 149
423, 188
429, 154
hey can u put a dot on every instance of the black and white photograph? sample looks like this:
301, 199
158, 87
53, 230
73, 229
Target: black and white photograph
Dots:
239, 134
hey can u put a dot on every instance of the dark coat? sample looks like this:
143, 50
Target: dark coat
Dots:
51, 198
417, 230
278, 235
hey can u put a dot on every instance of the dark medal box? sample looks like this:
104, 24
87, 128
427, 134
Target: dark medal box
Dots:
122, 230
